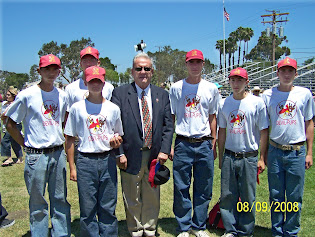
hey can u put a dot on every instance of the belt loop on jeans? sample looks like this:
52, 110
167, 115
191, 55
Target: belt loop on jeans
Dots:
193, 139
33, 150
241, 154
296, 146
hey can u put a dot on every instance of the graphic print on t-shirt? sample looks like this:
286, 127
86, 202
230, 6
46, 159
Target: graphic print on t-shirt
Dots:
286, 111
192, 105
96, 124
50, 110
237, 120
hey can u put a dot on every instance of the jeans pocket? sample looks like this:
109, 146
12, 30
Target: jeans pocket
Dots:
32, 159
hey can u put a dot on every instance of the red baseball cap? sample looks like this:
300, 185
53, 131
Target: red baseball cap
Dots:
49, 59
95, 72
158, 174
287, 62
241, 72
91, 51
194, 54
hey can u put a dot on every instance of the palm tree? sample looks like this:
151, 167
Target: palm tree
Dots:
240, 38
219, 46
231, 47
233, 37
248, 34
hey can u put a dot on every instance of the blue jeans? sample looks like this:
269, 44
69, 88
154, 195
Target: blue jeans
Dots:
39, 170
238, 179
97, 186
7, 141
286, 170
196, 159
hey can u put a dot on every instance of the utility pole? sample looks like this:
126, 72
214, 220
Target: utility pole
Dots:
275, 19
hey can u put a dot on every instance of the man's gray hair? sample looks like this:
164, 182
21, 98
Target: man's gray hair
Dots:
142, 55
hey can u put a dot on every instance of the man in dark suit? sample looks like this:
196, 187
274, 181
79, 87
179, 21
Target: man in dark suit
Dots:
148, 131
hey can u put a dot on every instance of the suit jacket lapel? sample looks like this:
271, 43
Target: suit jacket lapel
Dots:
133, 101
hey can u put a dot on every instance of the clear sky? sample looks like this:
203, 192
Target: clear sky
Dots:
116, 26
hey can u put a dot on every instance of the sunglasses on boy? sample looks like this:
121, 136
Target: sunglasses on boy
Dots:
139, 69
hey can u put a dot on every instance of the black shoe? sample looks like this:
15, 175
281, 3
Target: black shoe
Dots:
6, 223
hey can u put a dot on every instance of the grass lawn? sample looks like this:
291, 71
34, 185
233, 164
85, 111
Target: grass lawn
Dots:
15, 200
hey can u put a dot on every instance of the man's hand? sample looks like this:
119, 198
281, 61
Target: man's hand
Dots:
261, 165
115, 141
162, 158
171, 156
308, 161
122, 162
73, 175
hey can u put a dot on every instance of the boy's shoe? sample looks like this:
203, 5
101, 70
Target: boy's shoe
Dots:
183, 234
6, 223
228, 235
199, 233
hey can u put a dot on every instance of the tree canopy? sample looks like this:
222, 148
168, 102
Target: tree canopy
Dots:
70, 60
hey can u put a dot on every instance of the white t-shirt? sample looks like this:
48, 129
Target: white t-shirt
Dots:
192, 104
94, 124
77, 91
42, 114
243, 120
288, 112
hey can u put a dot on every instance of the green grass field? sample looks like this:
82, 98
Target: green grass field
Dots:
15, 200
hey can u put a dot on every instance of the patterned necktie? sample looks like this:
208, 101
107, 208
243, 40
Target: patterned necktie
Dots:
147, 124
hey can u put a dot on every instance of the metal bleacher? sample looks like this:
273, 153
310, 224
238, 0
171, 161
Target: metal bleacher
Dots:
263, 75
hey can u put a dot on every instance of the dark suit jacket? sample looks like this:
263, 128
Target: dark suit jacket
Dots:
162, 124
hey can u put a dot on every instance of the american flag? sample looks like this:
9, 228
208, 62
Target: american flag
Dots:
227, 15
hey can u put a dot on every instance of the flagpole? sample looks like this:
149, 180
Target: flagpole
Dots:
223, 43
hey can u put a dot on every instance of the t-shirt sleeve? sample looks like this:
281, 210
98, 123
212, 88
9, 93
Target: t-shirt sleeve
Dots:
214, 104
70, 128
172, 101
118, 125
221, 118
17, 110
309, 108
263, 119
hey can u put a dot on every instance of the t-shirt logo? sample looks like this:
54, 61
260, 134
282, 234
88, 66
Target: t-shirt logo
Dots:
192, 103
96, 124
237, 119
286, 109
50, 109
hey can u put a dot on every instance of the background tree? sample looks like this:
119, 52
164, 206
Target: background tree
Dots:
69, 56
168, 63
219, 46
125, 77
17, 80
248, 34
34, 75
263, 49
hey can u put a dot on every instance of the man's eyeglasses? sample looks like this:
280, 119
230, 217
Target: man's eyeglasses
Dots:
139, 69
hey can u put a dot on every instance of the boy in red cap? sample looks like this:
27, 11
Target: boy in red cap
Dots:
42, 109
194, 102
77, 90
243, 124
291, 110
96, 122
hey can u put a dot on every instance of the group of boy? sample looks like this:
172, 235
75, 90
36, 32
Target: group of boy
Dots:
101, 134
